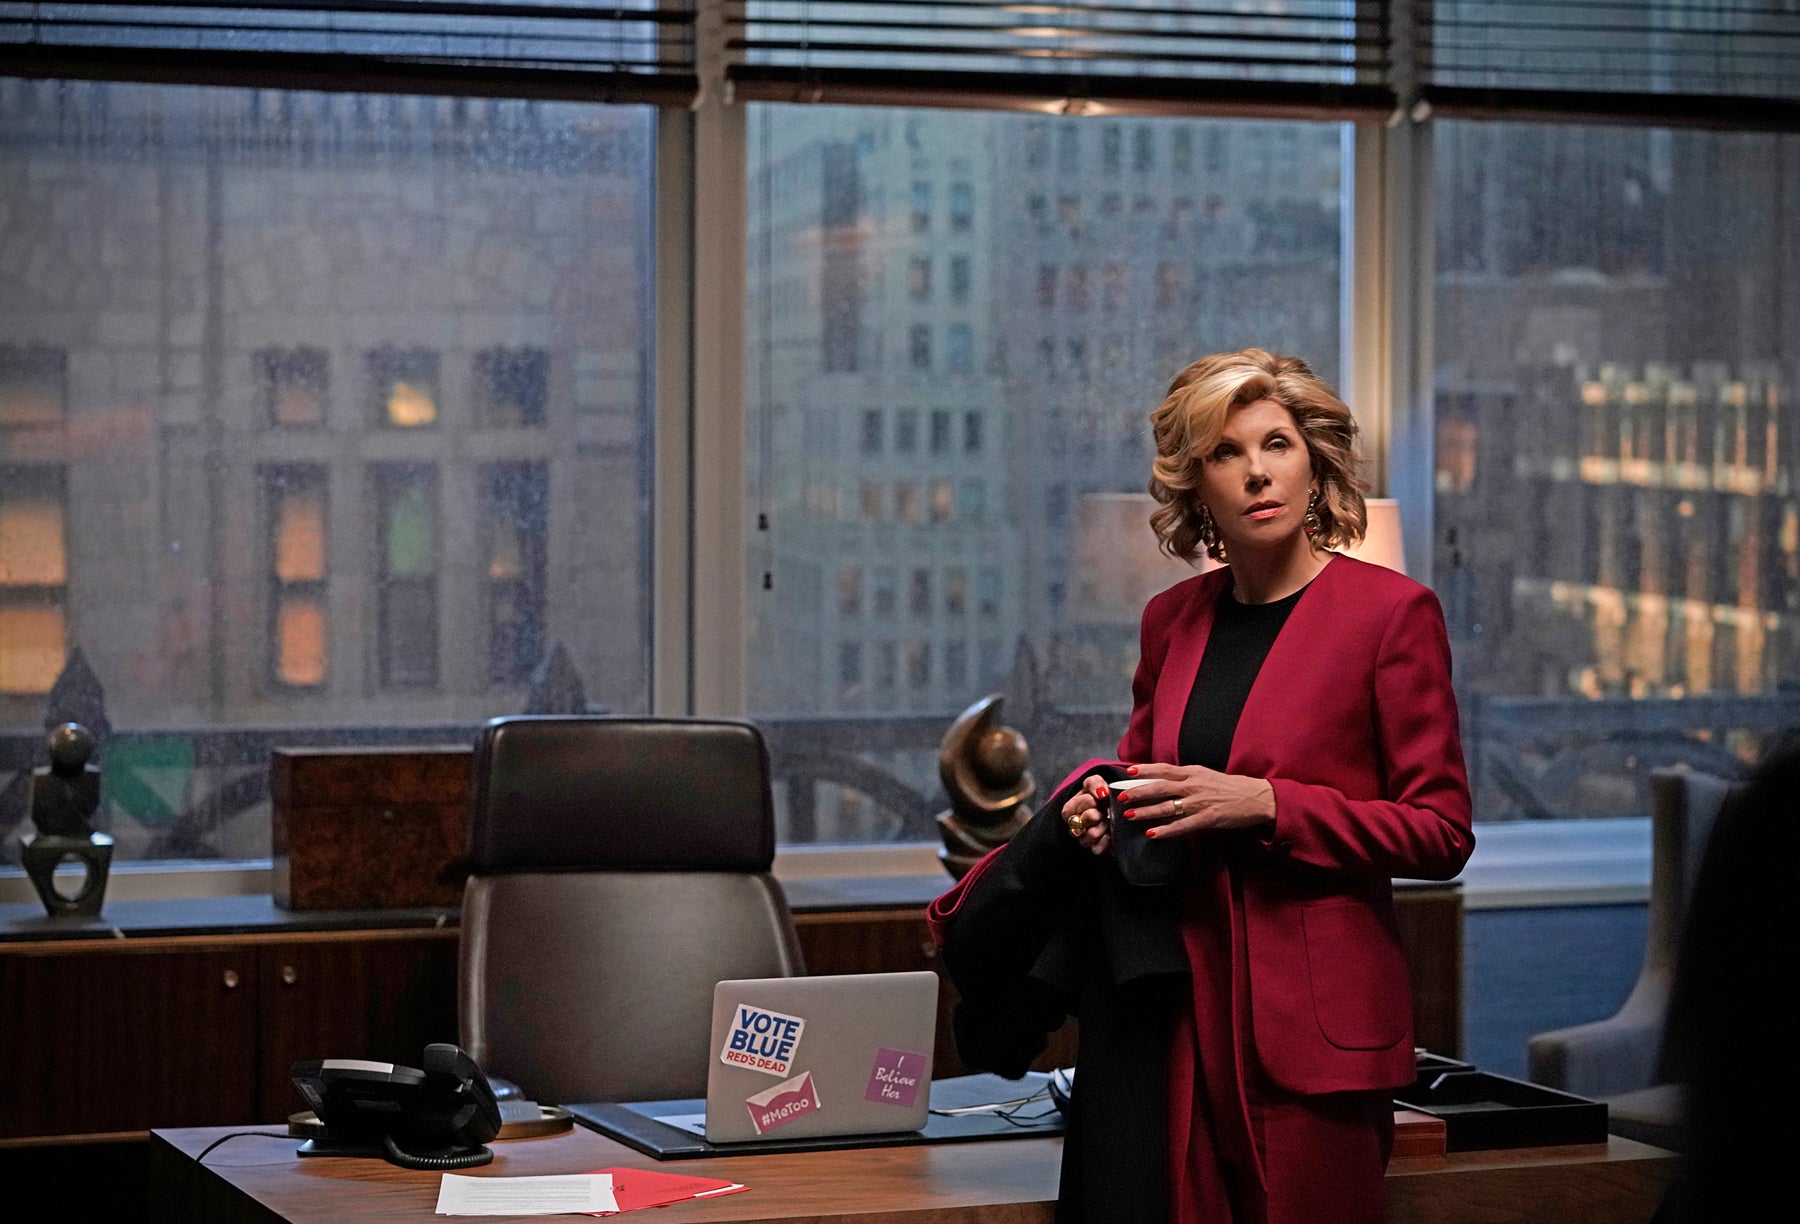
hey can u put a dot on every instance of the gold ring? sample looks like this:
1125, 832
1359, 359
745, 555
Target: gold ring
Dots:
1075, 823
1178, 806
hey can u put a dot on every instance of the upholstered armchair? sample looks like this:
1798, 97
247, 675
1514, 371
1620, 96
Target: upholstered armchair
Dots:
1618, 1060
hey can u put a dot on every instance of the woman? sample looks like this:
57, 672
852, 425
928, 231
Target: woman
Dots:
1294, 730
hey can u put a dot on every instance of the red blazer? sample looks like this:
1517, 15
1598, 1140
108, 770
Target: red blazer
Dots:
1353, 720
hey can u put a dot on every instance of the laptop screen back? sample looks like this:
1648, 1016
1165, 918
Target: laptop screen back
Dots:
804, 1056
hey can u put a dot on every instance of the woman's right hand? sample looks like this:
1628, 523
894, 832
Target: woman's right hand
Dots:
1084, 815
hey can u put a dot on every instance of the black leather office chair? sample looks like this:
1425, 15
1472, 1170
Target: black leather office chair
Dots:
619, 868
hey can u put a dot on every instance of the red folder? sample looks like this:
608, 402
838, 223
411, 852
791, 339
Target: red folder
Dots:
636, 1188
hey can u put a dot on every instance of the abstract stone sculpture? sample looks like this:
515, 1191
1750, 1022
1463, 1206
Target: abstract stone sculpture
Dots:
64, 797
985, 769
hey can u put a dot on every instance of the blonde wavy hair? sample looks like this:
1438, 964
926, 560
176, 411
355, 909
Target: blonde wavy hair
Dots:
1191, 417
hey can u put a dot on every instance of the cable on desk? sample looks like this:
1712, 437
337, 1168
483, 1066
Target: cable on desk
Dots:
187, 1185
1006, 1111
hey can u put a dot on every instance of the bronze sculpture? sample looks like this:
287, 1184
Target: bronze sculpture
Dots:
64, 796
985, 770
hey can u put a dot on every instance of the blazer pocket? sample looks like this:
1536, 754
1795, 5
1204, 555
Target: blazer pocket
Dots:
1358, 976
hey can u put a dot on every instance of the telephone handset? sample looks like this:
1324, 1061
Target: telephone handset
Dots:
438, 1116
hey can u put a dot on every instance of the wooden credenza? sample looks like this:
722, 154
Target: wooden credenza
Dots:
190, 1013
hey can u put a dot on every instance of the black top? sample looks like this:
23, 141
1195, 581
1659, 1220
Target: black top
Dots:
1242, 635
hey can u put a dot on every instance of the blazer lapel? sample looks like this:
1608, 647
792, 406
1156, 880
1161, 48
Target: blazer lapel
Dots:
1187, 643
1305, 624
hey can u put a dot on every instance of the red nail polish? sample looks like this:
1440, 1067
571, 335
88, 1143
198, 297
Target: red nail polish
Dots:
1132, 771
1127, 813
1101, 794
1149, 832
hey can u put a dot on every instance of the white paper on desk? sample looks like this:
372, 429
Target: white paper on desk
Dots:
561, 1195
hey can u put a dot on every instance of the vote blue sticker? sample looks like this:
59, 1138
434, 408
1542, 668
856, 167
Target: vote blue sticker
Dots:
761, 1040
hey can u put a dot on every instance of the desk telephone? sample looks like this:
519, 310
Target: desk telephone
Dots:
438, 1116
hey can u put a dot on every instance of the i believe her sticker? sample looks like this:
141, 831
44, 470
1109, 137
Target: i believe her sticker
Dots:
894, 1080
761, 1040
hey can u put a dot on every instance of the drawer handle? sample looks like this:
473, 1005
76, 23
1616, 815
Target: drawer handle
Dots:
289, 975
231, 979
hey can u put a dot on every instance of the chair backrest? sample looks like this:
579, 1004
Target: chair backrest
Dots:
1684, 803
619, 869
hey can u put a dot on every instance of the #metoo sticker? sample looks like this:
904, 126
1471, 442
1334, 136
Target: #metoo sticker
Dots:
894, 1080
761, 1040
783, 1103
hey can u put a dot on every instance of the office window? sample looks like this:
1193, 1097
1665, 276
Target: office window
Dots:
974, 500
1181, 152
871, 431
956, 590
850, 590
918, 346
961, 280
1111, 145
971, 433
405, 386
1078, 287
906, 431
1116, 282
962, 208
919, 592
869, 495
943, 502
987, 591
1009, 378
1143, 148
250, 300
33, 384
406, 513
34, 577
906, 502
518, 496
940, 432
959, 348
956, 664
292, 384
886, 583
299, 568
918, 278
887, 666
918, 664
511, 386
1168, 285
1037, 146
1615, 536
1068, 148
921, 208
850, 668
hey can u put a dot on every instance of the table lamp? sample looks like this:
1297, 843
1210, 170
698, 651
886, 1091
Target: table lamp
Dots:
1118, 564
1381, 543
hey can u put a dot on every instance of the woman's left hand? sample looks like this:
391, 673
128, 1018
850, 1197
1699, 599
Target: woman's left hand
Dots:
1194, 799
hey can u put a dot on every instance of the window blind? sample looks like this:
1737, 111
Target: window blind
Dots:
1303, 57
1729, 62
641, 51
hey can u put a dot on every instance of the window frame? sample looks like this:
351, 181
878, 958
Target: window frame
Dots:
699, 446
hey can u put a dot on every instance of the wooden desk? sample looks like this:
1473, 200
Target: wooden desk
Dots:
1005, 1182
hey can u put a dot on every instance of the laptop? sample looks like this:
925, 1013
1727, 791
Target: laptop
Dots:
803, 1057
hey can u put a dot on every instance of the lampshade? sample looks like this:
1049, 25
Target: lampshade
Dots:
1118, 565
1381, 543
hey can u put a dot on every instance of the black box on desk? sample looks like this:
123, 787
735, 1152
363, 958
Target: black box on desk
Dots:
1481, 1110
